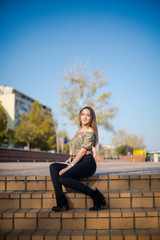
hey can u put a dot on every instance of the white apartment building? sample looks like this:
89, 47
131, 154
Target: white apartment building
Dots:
14, 104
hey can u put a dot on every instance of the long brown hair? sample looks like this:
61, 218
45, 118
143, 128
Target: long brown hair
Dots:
93, 123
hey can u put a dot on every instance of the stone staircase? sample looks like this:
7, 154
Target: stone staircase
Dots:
133, 213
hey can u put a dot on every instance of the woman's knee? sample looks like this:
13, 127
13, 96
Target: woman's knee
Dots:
53, 166
61, 179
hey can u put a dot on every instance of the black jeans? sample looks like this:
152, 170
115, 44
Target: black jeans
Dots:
84, 168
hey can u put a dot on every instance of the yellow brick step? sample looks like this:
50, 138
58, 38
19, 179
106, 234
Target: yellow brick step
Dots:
102, 182
113, 219
80, 235
46, 199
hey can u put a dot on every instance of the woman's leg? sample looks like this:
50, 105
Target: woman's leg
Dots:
55, 168
84, 168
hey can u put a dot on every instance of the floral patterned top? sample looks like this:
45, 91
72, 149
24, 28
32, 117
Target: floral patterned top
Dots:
82, 140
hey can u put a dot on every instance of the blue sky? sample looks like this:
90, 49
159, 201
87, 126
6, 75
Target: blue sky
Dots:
39, 39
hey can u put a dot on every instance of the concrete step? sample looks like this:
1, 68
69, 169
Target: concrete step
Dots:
46, 199
80, 235
134, 212
102, 182
80, 219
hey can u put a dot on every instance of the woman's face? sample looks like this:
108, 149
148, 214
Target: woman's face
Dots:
85, 117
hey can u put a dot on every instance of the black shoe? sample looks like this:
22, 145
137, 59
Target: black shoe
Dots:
62, 205
98, 200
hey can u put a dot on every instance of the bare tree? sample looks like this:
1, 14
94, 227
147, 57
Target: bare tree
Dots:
80, 88
121, 138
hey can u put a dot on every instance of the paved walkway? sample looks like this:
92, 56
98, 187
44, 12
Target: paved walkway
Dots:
114, 167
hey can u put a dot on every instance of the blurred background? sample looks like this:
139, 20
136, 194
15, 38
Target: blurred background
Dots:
45, 45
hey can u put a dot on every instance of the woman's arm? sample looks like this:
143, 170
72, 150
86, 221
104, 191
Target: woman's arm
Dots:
69, 160
78, 157
94, 151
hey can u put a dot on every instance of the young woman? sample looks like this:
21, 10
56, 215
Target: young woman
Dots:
81, 163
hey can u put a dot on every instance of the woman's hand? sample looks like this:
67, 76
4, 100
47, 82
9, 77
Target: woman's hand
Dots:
64, 170
69, 160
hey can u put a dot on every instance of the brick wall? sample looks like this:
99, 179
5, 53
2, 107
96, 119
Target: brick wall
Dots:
16, 155
134, 158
